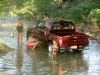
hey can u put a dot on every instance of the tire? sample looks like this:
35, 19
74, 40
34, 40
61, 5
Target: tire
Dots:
50, 47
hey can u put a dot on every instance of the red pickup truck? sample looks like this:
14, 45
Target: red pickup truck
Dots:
62, 31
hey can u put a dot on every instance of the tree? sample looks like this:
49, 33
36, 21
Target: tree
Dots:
3, 6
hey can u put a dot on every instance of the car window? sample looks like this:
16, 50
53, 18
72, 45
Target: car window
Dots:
41, 25
63, 25
47, 23
56, 26
68, 26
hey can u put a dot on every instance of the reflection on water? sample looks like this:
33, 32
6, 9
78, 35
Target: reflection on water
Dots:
73, 64
92, 58
19, 60
31, 53
60, 69
54, 67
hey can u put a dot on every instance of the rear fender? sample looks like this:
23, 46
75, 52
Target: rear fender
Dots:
28, 33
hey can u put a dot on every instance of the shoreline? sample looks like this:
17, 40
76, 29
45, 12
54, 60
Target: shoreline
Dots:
4, 49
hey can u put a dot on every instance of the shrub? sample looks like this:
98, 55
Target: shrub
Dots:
95, 15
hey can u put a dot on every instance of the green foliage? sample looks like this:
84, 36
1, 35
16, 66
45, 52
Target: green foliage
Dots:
69, 9
79, 12
75, 14
13, 11
19, 3
22, 8
3, 6
43, 6
95, 15
4, 3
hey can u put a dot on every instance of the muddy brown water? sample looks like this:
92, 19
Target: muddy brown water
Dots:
22, 61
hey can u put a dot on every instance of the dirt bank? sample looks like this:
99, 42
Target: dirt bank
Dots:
90, 28
5, 49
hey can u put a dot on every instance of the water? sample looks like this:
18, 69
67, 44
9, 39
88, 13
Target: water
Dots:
23, 61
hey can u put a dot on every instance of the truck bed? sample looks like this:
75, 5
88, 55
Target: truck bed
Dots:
66, 32
71, 38
62, 32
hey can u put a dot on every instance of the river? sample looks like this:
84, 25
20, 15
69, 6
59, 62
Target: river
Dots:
23, 61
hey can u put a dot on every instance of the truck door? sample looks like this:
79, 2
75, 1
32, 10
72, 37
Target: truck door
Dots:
41, 31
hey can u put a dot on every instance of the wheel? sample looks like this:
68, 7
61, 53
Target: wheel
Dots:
50, 47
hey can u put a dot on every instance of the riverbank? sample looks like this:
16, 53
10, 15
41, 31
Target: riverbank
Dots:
92, 29
4, 49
